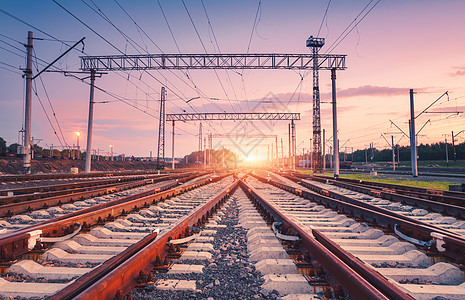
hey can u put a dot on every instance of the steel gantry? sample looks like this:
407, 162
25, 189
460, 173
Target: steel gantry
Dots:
262, 61
212, 61
232, 116
229, 117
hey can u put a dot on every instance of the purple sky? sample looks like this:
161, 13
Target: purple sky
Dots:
399, 45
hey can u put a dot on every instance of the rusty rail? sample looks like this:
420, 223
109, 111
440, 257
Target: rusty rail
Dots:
119, 276
17, 243
70, 185
455, 244
11, 178
428, 193
352, 282
11, 209
436, 200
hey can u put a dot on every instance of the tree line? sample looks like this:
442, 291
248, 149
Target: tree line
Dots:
435, 151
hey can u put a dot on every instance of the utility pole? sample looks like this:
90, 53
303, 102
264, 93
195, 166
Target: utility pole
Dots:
172, 149
366, 156
200, 143
413, 137
210, 150
28, 107
90, 122
393, 154
161, 131
311, 155
294, 145
316, 44
282, 153
204, 152
272, 154
111, 152
335, 137
453, 142
447, 155
323, 150
277, 158
290, 149
268, 154
332, 159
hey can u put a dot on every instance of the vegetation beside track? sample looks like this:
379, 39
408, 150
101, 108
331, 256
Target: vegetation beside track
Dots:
438, 185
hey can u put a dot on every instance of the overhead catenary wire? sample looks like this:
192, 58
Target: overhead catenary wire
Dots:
352, 25
205, 49
74, 16
219, 51
53, 110
187, 73
324, 17
54, 38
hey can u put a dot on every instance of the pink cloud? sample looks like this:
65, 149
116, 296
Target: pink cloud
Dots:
458, 71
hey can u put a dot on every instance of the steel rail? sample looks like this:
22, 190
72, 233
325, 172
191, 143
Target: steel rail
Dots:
403, 187
119, 275
30, 193
68, 185
449, 205
11, 178
15, 208
349, 277
18, 242
454, 243
427, 192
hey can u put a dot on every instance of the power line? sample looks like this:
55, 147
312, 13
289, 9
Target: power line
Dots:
219, 51
108, 42
324, 17
338, 40
253, 26
51, 106
206, 52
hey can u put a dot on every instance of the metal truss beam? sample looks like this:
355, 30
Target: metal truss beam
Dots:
232, 116
241, 136
212, 61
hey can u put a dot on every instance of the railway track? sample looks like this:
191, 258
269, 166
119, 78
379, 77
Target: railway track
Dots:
432, 239
433, 207
12, 205
105, 245
22, 179
427, 173
262, 236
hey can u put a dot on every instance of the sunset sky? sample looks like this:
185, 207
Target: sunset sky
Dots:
418, 44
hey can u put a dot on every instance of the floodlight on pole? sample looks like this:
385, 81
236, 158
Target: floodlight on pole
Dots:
315, 44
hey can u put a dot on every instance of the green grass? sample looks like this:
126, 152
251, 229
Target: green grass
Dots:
439, 185
422, 163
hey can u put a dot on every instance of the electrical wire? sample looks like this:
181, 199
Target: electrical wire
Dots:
352, 26
51, 106
324, 17
219, 51
206, 52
